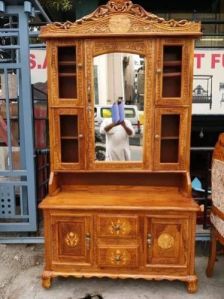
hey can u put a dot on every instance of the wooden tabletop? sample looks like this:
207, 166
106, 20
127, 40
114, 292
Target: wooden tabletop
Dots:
102, 197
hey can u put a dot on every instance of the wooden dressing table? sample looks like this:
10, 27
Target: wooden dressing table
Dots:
120, 219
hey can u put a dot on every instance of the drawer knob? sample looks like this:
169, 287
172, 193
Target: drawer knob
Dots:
117, 227
120, 257
117, 258
120, 227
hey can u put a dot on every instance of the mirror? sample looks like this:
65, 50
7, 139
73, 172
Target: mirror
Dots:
119, 107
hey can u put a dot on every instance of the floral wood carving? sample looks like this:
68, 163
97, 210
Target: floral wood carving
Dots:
166, 241
120, 17
119, 257
72, 239
120, 227
127, 6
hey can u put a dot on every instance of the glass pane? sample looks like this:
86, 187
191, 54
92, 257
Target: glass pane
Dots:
170, 130
66, 54
169, 151
67, 72
172, 66
67, 86
119, 80
170, 125
69, 138
69, 125
69, 151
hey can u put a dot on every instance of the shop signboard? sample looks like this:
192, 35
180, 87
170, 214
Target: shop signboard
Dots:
208, 83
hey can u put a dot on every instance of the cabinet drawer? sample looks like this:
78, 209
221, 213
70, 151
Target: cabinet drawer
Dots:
117, 226
118, 256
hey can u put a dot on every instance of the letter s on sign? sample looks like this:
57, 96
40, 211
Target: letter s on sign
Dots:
32, 61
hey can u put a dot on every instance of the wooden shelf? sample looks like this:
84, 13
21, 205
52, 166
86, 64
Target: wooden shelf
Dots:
67, 74
170, 138
177, 74
172, 63
69, 137
67, 63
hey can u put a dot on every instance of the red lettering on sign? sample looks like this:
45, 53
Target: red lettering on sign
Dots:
198, 57
32, 61
215, 60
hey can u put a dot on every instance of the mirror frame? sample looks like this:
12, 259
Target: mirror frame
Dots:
132, 46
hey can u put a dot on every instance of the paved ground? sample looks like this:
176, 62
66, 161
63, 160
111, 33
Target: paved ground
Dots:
21, 267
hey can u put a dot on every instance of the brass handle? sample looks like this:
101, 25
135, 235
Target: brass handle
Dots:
157, 136
149, 240
80, 65
80, 136
89, 93
159, 71
87, 238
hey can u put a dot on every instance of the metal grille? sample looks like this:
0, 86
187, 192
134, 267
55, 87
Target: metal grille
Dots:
7, 201
17, 181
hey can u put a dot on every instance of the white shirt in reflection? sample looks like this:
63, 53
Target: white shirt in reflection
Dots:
117, 141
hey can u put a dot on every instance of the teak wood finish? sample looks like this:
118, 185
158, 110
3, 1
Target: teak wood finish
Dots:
120, 220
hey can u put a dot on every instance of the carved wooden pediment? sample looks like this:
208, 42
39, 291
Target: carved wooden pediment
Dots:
121, 17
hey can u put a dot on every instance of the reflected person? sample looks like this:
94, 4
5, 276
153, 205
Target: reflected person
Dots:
117, 139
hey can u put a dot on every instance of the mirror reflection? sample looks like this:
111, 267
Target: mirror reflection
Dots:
119, 107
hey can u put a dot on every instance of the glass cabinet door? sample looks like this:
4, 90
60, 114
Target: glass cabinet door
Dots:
68, 139
66, 71
173, 70
171, 135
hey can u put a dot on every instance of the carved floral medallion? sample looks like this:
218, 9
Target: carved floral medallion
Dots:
120, 227
72, 239
120, 257
166, 241
119, 23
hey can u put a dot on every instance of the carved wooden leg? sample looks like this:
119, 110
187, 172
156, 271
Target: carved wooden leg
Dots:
212, 254
46, 281
192, 286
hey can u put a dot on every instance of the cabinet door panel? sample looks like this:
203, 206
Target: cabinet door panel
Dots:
174, 71
68, 139
171, 139
71, 239
167, 241
66, 74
